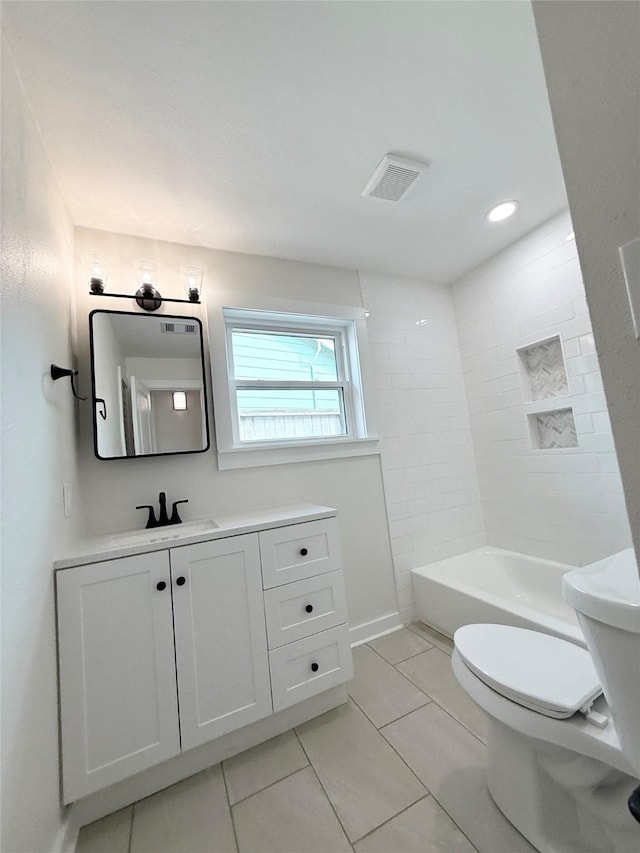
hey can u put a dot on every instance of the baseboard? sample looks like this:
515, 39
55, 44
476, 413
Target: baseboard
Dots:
360, 634
67, 837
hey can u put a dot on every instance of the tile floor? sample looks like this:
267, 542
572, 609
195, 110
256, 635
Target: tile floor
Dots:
399, 769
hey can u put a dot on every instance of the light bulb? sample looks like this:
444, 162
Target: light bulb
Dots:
98, 273
179, 401
502, 211
147, 274
192, 282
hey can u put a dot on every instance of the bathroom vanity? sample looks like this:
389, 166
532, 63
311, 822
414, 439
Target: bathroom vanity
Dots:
172, 638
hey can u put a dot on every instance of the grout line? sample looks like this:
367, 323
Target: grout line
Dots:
420, 780
393, 817
446, 710
427, 789
130, 839
380, 732
409, 657
271, 784
226, 791
323, 789
438, 634
401, 717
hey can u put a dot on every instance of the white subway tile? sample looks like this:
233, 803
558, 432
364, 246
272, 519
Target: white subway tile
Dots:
532, 501
546, 322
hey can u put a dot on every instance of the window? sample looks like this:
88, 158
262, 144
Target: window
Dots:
293, 381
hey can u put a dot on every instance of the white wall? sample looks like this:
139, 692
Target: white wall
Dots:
176, 431
429, 471
590, 57
112, 489
565, 505
38, 456
164, 368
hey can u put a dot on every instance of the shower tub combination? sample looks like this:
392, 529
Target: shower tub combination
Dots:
494, 585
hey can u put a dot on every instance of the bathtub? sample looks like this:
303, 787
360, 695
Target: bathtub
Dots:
493, 585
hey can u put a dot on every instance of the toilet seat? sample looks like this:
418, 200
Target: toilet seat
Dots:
545, 674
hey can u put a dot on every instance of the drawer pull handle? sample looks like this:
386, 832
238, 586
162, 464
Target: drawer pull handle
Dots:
315, 667
309, 608
303, 552
161, 585
181, 581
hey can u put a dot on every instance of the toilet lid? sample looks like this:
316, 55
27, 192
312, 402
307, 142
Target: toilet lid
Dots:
540, 672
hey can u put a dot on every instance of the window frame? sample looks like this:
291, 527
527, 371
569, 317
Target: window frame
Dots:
349, 332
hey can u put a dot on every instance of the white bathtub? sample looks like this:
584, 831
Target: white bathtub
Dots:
493, 585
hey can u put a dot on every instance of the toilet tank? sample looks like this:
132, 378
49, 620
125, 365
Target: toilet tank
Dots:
606, 597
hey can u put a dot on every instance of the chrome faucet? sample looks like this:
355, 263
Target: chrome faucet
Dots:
163, 519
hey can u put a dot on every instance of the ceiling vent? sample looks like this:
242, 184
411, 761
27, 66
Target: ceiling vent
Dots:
393, 178
178, 328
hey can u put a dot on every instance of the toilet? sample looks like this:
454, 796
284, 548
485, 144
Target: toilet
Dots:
564, 722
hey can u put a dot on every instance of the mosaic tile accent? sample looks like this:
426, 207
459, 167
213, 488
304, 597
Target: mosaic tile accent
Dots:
555, 429
545, 369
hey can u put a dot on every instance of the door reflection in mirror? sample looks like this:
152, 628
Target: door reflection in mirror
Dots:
137, 363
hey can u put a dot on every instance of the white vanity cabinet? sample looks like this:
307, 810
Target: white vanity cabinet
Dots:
118, 700
221, 646
165, 650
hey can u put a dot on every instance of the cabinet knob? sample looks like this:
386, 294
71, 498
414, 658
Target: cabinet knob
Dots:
181, 581
309, 608
303, 552
315, 667
161, 585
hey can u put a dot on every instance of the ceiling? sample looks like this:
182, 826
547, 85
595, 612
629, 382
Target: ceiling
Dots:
254, 126
141, 336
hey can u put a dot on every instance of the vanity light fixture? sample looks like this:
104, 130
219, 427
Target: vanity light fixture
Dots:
179, 401
502, 211
147, 296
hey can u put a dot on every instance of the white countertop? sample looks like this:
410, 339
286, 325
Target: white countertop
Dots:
106, 547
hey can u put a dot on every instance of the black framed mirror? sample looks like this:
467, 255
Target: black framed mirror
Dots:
148, 385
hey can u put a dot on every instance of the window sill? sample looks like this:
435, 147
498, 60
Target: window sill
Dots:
282, 454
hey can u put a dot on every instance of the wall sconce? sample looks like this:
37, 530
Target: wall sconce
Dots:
147, 296
179, 401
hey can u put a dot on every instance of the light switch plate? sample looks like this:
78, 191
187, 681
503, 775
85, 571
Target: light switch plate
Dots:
630, 259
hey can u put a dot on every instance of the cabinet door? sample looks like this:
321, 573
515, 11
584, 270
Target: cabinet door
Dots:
221, 646
118, 695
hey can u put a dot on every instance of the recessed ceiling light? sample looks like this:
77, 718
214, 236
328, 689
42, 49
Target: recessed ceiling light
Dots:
502, 211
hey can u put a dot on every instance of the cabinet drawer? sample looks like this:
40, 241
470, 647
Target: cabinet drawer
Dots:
306, 607
310, 666
299, 551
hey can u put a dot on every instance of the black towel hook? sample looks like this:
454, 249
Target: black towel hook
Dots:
103, 411
60, 372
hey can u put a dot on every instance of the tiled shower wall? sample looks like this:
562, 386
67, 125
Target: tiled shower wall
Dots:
429, 473
568, 504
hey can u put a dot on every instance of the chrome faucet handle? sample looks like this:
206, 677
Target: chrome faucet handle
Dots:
151, 521
175, 517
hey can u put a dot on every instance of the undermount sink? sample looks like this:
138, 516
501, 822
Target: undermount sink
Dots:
162, 534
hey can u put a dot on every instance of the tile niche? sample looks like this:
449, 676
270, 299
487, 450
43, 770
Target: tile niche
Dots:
546, 389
